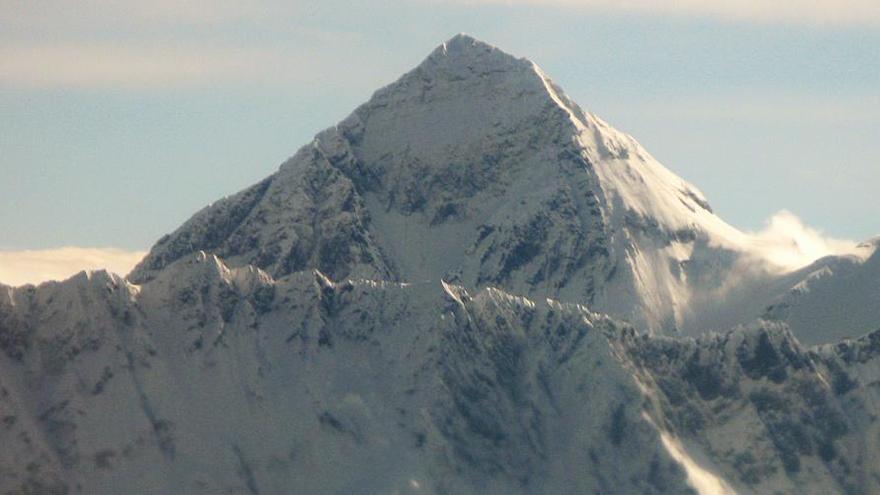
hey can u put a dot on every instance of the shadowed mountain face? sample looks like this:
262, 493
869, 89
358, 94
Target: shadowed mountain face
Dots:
416, 303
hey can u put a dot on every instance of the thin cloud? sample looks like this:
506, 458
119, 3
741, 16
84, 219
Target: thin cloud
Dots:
35, 266
89, 15
809, 12
775, 107
123, 45
114, 65
140, 66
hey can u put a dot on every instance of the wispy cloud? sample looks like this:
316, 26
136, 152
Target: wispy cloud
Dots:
90, 15
773, 106
811, 12
125, 14
114, 65
144, 66
118, 44
32, 267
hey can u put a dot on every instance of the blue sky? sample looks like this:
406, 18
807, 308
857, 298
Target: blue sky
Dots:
118, 120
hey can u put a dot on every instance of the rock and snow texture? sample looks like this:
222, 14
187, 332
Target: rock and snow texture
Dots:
217, 380
211, 379
772, 415
402, 308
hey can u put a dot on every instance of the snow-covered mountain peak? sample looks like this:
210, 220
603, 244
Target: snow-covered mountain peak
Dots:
462, 42
492, 87
205, 269
477, 169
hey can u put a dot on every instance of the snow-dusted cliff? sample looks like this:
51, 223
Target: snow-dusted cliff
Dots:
468, 285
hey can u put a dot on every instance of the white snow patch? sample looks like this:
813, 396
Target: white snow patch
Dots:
453, 292
701, 479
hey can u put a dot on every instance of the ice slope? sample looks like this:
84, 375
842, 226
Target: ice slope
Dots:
827, 300
210, 379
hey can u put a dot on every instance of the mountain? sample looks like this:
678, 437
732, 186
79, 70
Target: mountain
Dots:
211, 379
476, 168
469, 285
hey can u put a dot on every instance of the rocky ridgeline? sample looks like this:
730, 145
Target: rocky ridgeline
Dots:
209, 379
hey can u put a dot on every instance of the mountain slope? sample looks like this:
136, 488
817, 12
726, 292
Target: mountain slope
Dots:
475, 168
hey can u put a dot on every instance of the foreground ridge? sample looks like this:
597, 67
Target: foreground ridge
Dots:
209, 378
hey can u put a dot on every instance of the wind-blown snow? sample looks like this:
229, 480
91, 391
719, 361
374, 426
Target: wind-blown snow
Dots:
703, 481
788, 243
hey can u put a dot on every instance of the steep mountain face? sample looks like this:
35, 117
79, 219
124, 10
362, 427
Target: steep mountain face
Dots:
213, 380
475, 168
416, 303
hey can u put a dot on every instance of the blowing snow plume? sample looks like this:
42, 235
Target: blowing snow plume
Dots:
790, 244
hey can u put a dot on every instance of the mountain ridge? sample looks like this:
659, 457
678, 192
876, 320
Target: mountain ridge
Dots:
204, 346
